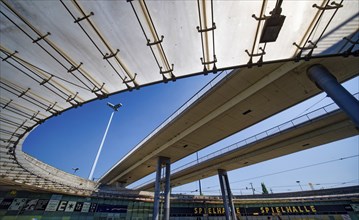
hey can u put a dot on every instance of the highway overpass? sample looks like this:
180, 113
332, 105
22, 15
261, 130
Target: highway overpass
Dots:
290, 137
247, 96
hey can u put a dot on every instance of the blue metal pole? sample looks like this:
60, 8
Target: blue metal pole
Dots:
230, 197
329, 84
222, 183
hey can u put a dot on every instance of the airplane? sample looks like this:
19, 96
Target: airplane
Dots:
114, 107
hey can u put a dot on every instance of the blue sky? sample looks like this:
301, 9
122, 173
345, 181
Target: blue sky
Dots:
71, 140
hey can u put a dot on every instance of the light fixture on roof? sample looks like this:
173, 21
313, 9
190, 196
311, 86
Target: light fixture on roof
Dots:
273, 24
114, 107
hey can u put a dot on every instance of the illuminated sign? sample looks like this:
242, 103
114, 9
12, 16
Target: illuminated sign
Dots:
212, 211
288, 210
263, 210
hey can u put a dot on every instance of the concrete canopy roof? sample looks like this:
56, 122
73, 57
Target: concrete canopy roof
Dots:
57, 55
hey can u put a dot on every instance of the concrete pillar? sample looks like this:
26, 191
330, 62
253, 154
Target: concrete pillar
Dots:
156, 203
167, 189
328, 83
157, 197
226, 195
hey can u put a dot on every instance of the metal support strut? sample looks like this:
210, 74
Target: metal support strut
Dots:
226, 195
162, 161
329, 84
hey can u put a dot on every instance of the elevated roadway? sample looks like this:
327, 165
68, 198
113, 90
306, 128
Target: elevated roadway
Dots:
245, 97
324, 129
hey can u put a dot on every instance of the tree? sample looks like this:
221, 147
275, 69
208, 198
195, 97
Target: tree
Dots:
264, 189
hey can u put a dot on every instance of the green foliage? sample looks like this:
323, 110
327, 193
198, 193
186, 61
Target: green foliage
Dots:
264, 189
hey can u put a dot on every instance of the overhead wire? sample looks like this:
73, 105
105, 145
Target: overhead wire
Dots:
289, 170
312, 106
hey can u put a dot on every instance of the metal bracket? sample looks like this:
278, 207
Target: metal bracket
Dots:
42, 37
170, 71
10, 151
328, 7
209, 62
70, 99
15, 134
108, 56
260, 61
33, 117
260, 18
10, 55
207, 29
102, 96
167, 71
73, 68
23, 93
22, 125
51, 107
10, 142
154, 42
130, 80
305, 48
96, 89
28, 129
45, 80
85, 17
7, 104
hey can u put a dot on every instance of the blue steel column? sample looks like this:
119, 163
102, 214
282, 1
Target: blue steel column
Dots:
167, 189
328, 83
230, 199
224, 196
157, 196
156, 203
227, 200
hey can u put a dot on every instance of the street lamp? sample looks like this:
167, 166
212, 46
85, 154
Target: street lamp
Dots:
251, 188
299, 185
115, 109
199, 181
